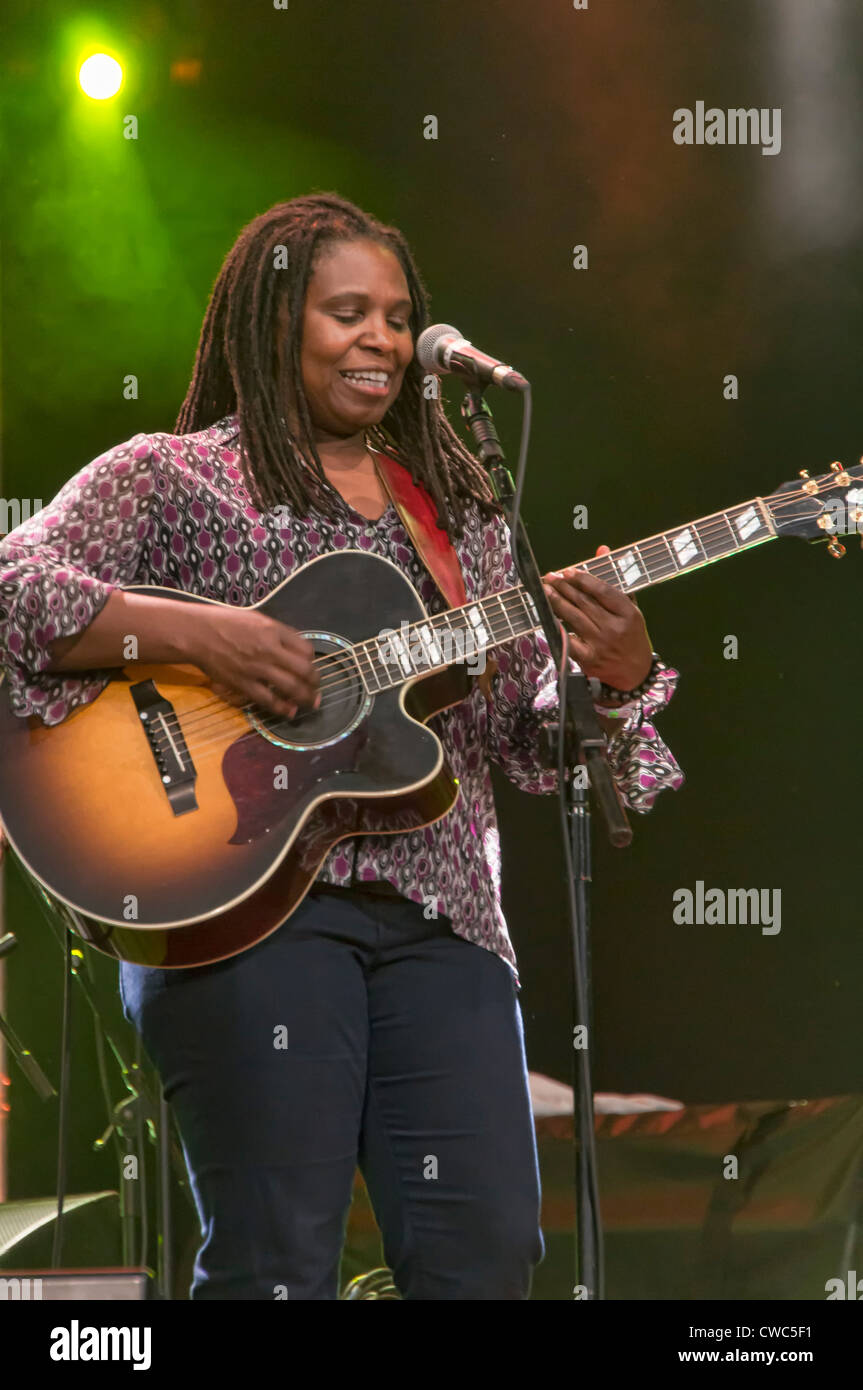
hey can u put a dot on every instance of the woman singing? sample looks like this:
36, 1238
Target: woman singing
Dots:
394, 980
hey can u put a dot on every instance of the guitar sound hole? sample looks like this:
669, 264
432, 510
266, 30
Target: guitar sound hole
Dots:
344, 700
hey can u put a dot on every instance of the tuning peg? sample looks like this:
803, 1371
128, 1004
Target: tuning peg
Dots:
836, 549
804, 473
836, 468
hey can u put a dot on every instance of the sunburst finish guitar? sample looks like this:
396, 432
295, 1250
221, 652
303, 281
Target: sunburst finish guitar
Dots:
169, 828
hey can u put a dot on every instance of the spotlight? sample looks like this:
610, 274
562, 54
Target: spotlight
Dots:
100, 76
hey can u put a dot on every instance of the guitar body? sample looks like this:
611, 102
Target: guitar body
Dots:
171, 829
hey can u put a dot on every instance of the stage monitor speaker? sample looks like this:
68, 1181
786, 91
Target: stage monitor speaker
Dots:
91, 1231
75, 1285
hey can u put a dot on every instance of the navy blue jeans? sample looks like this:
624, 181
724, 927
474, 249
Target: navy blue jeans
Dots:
358, 1034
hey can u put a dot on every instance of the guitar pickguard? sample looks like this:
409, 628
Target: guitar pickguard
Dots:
268, 783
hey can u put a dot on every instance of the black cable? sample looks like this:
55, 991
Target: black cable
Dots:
63, 1122
582, 1090
101, 1064
60, 931
142, 1090
100, 1037
520, 472
584, 1124
142, 1157
166, 1245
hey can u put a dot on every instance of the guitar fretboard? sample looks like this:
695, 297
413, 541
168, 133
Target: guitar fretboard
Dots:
670, 553
460, 634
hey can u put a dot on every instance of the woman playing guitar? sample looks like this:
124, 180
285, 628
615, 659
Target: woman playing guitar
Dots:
380, 1025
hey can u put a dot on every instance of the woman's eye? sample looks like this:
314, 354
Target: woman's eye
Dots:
350, 315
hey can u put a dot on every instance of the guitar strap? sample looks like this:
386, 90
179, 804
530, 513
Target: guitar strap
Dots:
432, 545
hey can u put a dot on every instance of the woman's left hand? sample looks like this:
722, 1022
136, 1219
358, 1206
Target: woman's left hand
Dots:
607, 634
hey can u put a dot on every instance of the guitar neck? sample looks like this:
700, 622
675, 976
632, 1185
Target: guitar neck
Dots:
685, 548
459, 634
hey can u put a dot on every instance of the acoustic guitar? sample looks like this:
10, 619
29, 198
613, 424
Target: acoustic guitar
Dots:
169, 828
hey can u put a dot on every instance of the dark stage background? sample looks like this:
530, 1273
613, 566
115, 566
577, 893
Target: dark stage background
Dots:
555, 130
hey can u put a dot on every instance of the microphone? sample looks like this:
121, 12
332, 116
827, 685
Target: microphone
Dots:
442, 349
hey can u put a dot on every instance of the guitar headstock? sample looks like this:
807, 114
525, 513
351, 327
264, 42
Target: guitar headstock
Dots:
820, 509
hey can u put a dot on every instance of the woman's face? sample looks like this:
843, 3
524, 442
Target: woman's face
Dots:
356, 321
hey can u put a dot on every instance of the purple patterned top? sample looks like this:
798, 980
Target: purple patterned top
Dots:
174, 511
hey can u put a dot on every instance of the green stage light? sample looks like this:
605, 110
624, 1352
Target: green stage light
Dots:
100, 76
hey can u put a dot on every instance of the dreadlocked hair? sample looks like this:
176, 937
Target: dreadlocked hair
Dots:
236, 367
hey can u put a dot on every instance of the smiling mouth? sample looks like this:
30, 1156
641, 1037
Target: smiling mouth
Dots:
369, 382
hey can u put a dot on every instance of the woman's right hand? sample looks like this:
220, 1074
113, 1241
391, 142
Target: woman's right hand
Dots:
251, 657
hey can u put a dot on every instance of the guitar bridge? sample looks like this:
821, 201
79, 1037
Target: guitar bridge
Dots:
168, 746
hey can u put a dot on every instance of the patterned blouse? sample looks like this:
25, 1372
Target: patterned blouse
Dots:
174, 511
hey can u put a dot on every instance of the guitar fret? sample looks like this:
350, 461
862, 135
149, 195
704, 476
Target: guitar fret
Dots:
715, 542
599, 568
511, 619
629, 567
530, 615
672, 557
658, 560
735, 542
421, 647
686, 546
431, 647
377, 668
512, 631
749, 524
359, 654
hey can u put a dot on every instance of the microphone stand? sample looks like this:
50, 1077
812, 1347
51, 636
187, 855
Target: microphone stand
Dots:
142, 1109
585, 743
23, 1056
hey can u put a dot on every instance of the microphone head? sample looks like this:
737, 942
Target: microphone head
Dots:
430, 344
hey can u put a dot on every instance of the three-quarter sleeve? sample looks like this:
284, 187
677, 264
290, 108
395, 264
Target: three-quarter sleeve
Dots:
523, 699
58, 569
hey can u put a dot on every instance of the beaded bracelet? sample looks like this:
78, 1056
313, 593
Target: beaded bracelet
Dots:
618, 697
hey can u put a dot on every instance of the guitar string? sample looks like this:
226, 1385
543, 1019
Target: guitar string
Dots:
224, 716
439, 624
269, 721
595, 564
604, 563
339, 659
